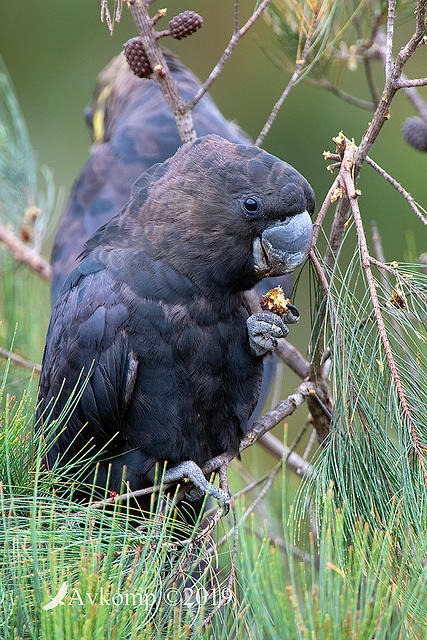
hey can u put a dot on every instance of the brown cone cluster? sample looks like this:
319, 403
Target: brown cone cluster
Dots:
137, 58
184, 24
181, 26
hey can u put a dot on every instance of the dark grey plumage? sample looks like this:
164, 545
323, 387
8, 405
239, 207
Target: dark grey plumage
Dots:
133, 129
156, 304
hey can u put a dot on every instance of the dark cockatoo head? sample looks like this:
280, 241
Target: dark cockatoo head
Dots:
225, 214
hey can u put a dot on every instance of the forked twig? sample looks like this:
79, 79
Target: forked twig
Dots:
183, 116
393, 76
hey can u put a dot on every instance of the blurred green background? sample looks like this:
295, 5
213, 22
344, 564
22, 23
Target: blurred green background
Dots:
54, 51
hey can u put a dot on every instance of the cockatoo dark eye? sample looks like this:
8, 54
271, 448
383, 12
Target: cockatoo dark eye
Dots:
250, 205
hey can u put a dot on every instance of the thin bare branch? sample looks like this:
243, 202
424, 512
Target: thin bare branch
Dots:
236, 16
18, 360
275, 111
323, 210
293, 358
25, 255
226, 54
299, 68
417, 208
391, 14
343, 95
416, 82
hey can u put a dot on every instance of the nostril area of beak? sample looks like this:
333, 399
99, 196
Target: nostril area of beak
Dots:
292, 234
287, 244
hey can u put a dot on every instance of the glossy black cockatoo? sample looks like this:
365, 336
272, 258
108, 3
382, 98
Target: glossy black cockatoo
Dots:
156, 311
132, 129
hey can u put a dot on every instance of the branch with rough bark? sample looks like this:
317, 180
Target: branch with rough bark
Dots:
182, 112
20, 361
24, 254
145, 26
349, 153
352, 194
